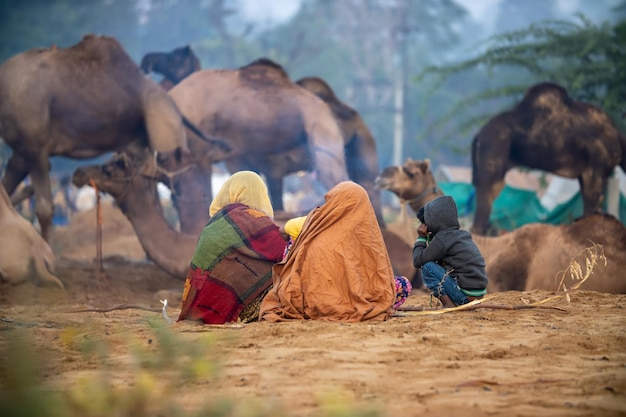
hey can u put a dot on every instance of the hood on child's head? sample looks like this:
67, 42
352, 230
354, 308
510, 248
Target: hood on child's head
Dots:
441, 214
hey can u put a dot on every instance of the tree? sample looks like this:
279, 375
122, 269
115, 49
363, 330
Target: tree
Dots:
587, 59
357, 46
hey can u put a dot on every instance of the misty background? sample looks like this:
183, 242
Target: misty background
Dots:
420, 73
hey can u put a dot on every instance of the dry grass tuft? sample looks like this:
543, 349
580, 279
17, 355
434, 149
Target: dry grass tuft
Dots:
591, 256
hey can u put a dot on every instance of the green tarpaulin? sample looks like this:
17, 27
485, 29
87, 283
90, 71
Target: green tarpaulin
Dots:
515, 207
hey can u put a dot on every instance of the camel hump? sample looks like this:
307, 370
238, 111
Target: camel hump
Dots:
546, 95
318, 87
322, 90
104, 51
265, 62
263, 72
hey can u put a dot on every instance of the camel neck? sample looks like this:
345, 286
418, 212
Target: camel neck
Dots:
167, 248
424, 197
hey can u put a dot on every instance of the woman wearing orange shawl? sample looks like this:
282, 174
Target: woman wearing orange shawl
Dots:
338, 268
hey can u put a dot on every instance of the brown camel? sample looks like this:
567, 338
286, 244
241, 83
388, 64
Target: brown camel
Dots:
80, 102
532, 256
135, 192
359, 144
550, 131
273, 126
174, 65
25, 256
412, 182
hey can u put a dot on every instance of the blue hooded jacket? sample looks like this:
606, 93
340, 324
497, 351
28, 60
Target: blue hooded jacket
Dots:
450, 246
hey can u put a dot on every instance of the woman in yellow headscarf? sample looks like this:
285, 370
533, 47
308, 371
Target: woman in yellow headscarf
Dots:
338, 268
231, 268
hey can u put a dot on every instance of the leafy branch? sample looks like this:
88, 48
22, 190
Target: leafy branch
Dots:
588, 60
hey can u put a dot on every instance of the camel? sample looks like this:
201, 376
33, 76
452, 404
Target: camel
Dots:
550, 131
134, 190
136, 195
273, 127
174, 65
80, 102
25, 255
359, 144
412, 182
534, 255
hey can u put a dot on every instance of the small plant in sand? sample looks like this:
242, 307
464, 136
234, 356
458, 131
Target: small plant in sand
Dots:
590, 257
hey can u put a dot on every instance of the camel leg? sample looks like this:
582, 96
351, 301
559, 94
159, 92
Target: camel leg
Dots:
592, 187
16, 171
192, 197
485, 196
275, 187
23, 194
41, 276
374, 195
330, 161
39, 173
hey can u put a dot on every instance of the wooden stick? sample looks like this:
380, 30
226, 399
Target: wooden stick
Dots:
116, 307
476, 306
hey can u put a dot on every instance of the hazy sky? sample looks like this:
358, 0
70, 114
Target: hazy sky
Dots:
278, 10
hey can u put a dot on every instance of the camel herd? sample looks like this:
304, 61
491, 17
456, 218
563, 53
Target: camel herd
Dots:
255, 118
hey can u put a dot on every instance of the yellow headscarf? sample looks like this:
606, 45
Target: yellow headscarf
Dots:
245, 187
294, 226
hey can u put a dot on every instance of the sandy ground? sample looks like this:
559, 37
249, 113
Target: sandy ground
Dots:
564, 359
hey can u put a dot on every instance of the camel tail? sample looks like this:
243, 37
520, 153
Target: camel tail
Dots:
622, 139
475, 161
218, 142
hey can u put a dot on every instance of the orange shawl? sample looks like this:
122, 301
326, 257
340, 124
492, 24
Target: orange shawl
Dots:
338, 268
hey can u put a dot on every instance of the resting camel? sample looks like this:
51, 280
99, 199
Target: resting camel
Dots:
532, 256
80, 102
359, 144
25, 256
134, 190
550, 131
174, 65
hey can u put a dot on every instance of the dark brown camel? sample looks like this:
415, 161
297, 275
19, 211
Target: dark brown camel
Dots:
532, 256
174, 65
79, 102
134, 190
550, 131
359, 144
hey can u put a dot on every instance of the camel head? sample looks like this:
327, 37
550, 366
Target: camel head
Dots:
174, 65
114, 177
407, 181
412, 182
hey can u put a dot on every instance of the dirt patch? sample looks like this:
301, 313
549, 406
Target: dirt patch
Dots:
569, 361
